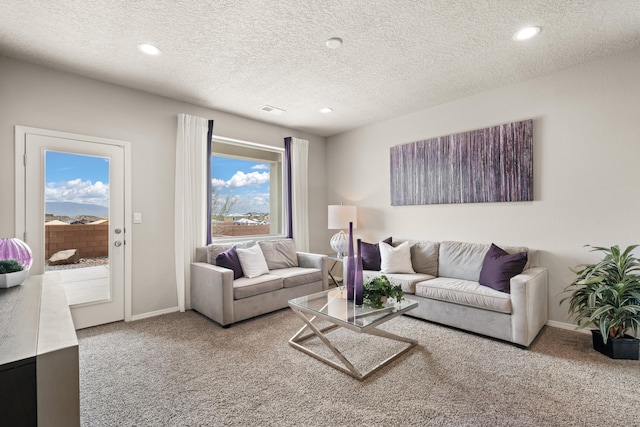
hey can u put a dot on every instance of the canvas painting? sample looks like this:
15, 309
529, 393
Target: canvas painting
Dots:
494, 164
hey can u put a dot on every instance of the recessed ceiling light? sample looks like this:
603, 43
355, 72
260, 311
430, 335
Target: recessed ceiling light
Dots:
149, 49
526, 33
326, 110
334, 43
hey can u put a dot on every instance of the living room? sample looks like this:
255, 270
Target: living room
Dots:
585, 133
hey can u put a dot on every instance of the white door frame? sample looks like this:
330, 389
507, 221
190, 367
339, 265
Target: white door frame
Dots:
20, 189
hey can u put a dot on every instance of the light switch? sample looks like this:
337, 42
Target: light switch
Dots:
137, 217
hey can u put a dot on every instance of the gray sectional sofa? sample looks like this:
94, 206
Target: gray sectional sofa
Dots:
446, 285
291, 274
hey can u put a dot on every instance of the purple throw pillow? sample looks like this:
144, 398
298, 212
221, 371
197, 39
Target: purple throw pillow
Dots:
229, 259
371, 255
499, 267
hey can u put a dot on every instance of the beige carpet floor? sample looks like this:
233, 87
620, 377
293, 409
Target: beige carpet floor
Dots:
182, 369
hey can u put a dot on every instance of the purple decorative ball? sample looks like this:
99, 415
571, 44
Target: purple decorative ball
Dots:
15, 249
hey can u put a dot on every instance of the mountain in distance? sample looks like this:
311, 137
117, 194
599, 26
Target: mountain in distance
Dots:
75, 209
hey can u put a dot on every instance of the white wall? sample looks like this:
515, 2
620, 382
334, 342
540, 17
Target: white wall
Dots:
586, 130
40, 97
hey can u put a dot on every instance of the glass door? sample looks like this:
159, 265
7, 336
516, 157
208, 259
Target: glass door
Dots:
74, 208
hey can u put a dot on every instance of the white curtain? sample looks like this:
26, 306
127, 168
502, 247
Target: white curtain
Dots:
190, 199
299, 193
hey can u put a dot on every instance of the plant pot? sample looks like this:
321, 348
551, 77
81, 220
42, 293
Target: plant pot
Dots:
620, 348
9, 280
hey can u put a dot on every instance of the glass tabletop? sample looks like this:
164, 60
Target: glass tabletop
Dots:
334, 306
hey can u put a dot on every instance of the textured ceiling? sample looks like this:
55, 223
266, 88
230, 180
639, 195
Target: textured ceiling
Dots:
398, 56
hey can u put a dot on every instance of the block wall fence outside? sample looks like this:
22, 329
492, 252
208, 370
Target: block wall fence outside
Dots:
240, 230
91, 240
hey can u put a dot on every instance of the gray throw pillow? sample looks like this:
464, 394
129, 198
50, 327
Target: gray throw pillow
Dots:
214, 250
424, 257
279, 253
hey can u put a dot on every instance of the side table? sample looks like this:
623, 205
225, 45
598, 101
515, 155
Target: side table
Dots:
335, 260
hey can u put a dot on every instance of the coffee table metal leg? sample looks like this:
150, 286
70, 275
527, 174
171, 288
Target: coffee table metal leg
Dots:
391, 336
348, 367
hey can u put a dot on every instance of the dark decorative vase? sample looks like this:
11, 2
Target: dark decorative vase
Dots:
351, 265
358, 286
620, 348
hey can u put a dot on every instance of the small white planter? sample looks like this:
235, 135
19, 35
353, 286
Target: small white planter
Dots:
9, 280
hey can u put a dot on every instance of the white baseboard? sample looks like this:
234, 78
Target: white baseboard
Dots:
154, 313
568, 326
553, 323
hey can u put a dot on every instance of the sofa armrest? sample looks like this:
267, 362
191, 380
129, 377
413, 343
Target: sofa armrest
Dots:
309, 260
529, 306
212, 292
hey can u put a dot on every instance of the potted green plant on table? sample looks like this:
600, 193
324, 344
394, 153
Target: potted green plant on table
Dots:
379, 289
607, 296
12, 273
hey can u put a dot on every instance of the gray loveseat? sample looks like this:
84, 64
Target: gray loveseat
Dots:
216, 294
446, 285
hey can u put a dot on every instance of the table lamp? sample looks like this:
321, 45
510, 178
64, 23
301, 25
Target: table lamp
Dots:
339, 218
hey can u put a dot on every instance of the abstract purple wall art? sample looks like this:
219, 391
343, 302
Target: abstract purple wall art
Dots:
486, 165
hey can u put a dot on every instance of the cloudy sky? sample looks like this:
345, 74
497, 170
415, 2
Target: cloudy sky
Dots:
246, 181
77, 178
85, 179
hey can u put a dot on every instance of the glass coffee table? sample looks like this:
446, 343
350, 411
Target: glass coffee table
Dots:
333, 307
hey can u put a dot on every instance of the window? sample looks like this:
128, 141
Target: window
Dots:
246, 189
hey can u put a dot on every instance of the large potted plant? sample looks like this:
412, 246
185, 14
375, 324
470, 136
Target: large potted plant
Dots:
606, 295
379, 289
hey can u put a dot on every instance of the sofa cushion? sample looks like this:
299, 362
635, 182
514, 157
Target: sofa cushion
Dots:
214, 250
296, 276
406, 281
499, 267
279, 253
246, 287
461, 260
229, 259
252, 261
465, 292
395, 259
201, 255
424, 256
371, 255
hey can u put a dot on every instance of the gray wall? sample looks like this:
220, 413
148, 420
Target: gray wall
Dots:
586, 146
586, 175
35, 96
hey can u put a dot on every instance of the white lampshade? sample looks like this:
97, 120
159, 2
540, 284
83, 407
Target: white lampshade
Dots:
341, 215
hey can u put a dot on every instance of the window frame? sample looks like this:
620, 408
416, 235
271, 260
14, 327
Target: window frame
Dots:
282, 190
